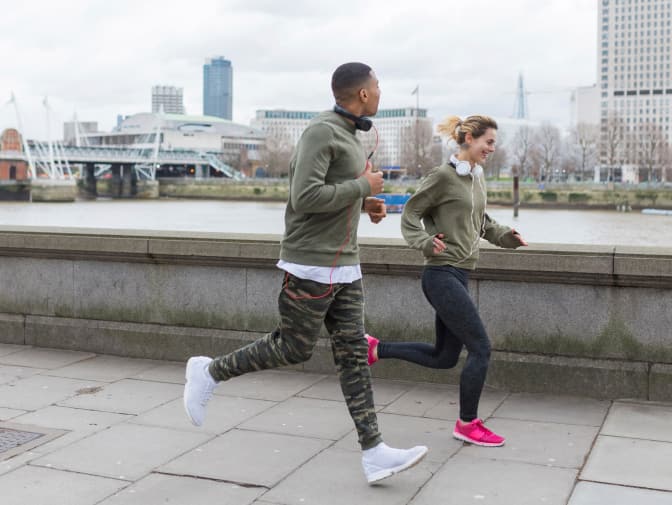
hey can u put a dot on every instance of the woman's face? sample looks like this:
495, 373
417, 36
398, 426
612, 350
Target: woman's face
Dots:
479, 148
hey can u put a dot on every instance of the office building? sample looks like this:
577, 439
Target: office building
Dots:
634, 53
396, 130
167, 99
285, 126
218, 88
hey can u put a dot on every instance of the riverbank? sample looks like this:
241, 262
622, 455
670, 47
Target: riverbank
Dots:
589, 196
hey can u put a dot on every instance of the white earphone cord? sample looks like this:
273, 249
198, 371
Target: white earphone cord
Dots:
478, 233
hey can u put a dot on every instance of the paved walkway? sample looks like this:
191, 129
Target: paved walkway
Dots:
115, 433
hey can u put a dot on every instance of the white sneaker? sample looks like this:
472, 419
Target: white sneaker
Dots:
198, 389
382, 461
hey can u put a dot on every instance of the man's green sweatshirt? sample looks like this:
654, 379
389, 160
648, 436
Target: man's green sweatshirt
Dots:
453, 205
325, 194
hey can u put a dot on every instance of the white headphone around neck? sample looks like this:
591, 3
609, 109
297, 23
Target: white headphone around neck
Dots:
464, 167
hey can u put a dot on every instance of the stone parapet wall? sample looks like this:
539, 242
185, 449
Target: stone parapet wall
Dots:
576, 319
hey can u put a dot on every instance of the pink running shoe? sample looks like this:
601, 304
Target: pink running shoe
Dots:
476, 433
373, 343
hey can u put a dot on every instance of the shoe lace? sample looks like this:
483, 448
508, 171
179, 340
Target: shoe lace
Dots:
207, 392
485, 430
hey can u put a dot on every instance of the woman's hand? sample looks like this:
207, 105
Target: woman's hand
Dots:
439, 246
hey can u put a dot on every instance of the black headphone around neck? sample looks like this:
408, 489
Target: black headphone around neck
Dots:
361, 122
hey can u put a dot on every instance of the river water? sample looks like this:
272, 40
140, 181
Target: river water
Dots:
535, 225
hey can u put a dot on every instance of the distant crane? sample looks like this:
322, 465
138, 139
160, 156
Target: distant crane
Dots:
521, 108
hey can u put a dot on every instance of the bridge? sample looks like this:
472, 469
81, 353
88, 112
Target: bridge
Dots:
55, 162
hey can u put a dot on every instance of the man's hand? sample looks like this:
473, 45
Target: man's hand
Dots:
375, 179
375, 208
518, 237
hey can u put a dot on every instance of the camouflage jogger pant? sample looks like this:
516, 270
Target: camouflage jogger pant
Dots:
293, 341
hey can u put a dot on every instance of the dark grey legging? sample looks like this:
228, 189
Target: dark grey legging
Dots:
457, 324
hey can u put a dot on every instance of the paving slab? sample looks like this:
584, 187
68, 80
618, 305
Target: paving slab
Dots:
590, 493
335, 477
79, 423
441, 402
11, 464
40, 391
10, 373
406, 431
551, 444
638, 420
304, 417
157, 489
273, 385
31, 485
384, 391
127, 396
164, 372
285, 437
36, 357
630, 462
554, 409
6, 349
247, 458
469, 480
223, 413
6, 414
124, 451
104, 368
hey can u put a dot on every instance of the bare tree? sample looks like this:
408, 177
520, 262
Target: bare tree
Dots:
569, 159
417, 152
495, 162
612, 137
666, 170
586, 137
276, 155
521, 151
652, 150
548, 141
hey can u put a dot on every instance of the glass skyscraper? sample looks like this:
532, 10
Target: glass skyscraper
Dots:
218, 88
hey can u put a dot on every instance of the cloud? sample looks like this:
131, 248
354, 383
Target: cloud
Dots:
101, 58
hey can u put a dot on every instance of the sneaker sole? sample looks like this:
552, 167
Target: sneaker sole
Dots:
459, 436
184, 396
384, 474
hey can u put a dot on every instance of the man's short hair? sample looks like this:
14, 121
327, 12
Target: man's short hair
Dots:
348, 79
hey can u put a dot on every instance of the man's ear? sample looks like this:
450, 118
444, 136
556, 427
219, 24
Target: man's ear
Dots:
363, 95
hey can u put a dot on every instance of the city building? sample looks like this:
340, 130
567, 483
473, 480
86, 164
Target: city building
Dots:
396, 131
634, 54
282, 125
402, 131
13, 165
218, 88
585, 105
235, 144
73, 131
167, 99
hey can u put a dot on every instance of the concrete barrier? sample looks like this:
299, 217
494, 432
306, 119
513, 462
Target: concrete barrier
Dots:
583, 320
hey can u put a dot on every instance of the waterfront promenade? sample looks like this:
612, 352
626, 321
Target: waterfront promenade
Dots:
116, 433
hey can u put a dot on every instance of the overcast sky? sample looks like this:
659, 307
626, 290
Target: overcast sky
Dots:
100, 58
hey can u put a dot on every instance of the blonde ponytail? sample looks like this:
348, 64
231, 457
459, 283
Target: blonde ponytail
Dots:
456, 128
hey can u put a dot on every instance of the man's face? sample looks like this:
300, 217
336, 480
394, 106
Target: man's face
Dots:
372, 94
